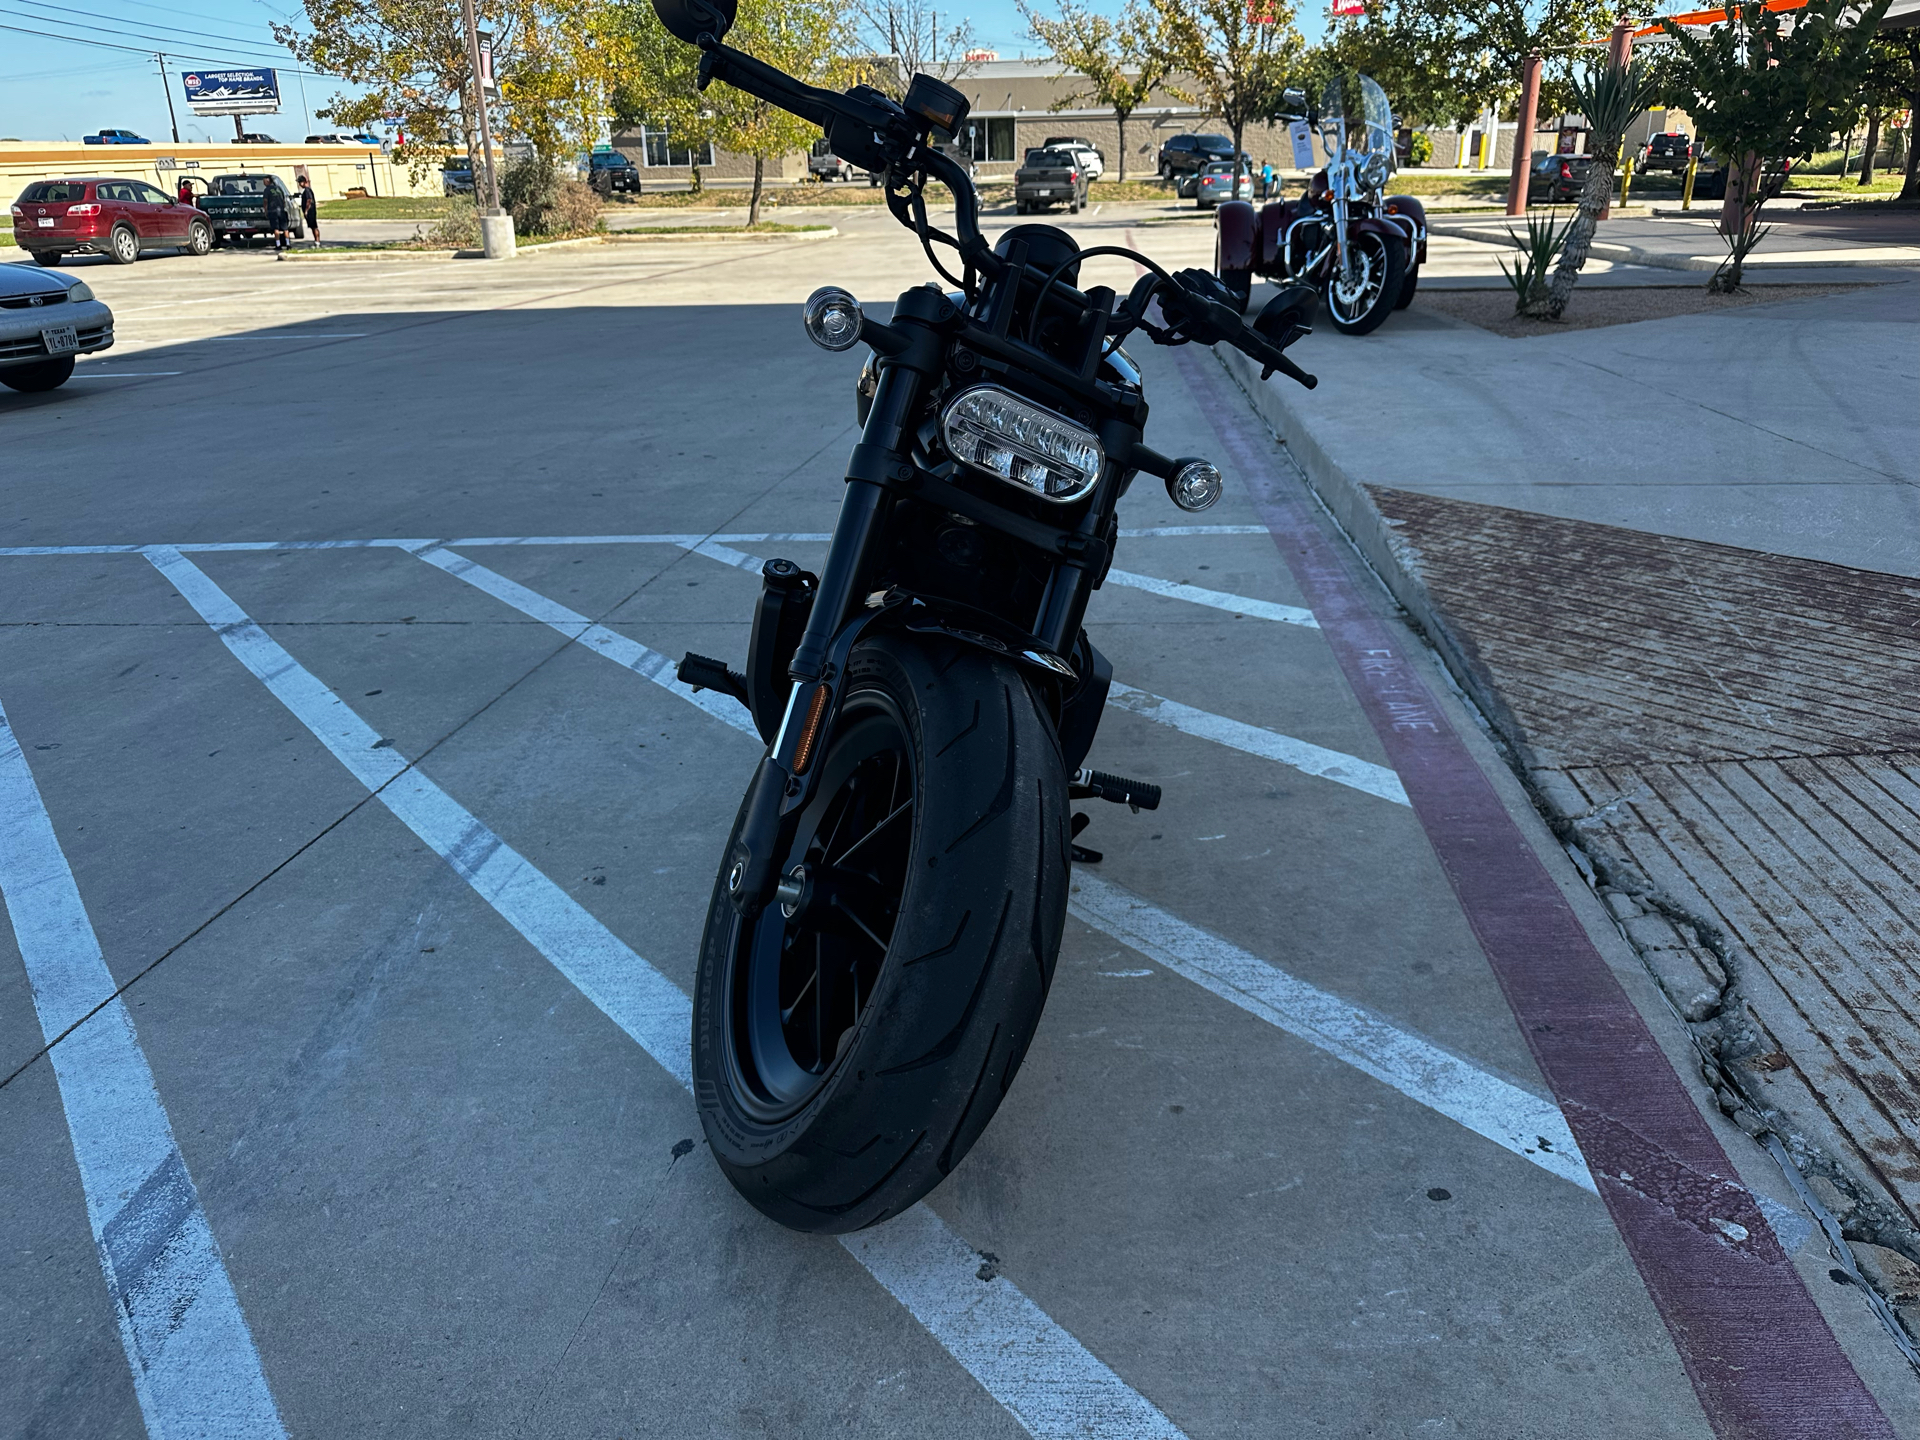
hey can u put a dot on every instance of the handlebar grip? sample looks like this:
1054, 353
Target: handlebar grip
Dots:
1272, 358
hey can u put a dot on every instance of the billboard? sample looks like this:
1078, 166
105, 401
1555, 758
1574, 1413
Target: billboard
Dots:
232, 92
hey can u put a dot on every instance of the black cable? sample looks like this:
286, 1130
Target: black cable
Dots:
1074, 259
180, 52
237, 40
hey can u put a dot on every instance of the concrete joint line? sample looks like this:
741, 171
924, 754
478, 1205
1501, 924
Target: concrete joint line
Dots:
1045, 1378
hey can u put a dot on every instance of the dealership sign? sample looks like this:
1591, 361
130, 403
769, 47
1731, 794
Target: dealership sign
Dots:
232, 92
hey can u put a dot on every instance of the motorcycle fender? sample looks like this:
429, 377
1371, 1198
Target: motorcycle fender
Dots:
1412, 209
1238, 234
1375, 225
779, 620
1080, 711
1274, 220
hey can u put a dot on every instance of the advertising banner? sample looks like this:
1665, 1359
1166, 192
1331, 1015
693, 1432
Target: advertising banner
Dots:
232, 92
1302, 139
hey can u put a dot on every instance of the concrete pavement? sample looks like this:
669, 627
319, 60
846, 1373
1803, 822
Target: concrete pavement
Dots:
451, 1193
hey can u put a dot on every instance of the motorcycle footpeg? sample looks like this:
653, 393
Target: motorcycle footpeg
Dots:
1136, 795
1079, 853
703, 672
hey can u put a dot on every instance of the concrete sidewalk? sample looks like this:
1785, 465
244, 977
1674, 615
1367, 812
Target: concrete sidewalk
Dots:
1673, 562
1849, 238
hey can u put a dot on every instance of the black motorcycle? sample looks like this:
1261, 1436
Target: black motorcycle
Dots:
887, 915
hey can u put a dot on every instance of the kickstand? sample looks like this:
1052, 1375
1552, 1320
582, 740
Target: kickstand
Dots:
1082, 855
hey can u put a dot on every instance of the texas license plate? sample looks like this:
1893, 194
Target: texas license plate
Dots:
60, 339
44, 223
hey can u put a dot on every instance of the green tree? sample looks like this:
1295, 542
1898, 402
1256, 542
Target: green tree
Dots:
804, 38
1122, 61
654, 80
1227, 56
1891, 83
410, 57
1767, 86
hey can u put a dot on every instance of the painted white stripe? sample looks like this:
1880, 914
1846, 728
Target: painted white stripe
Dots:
1513, 1118
797, 537
726, 555
1490, 1105
1047, 1379
1301, 755
122, 374
195, 1368
635, 996
619, 648
1050, 1383
1217, 599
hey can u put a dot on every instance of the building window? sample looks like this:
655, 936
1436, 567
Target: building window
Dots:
991, 139
660, 154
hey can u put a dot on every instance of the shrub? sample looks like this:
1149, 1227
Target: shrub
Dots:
460, 230
529, 190
1421, 150
576, 209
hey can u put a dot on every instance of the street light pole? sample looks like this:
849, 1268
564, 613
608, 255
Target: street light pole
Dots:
1521, 176
480, 107
172, 120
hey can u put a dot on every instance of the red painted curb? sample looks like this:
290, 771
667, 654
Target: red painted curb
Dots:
1761, 1356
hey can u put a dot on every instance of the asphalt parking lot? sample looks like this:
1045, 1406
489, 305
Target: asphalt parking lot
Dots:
359, 848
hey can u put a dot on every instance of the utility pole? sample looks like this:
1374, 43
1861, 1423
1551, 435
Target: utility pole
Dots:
480, 107
172, 120
1521, 175
496, 230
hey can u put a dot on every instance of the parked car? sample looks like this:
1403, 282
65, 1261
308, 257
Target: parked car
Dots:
1557, 179
46, 320
101, 216
254, 137
609, 170
456, 175
1186, 155
115, 137
1048, 178
824, 165
1222, 180
237, 205
1670, 152
1091, 160
1710, 176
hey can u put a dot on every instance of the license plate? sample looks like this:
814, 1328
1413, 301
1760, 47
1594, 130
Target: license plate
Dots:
60, 340
44, 224
1043, 192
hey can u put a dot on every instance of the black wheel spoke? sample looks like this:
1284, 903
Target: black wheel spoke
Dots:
896, 813
865, 928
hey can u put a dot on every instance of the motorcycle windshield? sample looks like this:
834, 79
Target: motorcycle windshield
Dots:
1354, 108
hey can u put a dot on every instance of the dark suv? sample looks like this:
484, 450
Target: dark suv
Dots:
1557, 179
609, 170
1667, 152
1185, 155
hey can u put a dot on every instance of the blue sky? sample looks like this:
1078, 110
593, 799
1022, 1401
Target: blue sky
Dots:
53, 89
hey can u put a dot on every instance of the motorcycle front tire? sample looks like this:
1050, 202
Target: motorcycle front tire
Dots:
833, 1125
1408, 286
1387, 257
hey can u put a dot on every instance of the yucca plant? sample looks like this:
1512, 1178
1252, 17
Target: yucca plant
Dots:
1609, 94
1528, 277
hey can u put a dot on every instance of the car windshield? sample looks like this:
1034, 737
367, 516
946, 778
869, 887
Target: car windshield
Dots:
55, 192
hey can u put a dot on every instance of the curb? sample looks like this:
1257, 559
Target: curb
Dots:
621, 237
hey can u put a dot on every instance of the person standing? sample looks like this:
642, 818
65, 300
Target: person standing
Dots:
310, 209
276, 203
1266, 179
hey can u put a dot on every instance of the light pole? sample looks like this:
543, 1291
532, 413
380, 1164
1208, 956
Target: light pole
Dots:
480, 110
172, 120
1523, 138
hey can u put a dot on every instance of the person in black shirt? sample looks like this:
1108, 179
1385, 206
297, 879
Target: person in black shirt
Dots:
276, 200
310, 209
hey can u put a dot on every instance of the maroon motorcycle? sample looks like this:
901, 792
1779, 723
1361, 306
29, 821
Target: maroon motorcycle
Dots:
1360, 249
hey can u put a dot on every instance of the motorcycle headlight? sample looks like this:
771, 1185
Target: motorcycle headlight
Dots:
1374, 173
1014, 440
79, 291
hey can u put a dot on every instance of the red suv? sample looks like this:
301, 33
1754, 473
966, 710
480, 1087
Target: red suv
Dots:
115, 218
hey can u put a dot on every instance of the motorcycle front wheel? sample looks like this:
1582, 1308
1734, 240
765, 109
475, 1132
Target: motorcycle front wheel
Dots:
1361, 306
852, 1040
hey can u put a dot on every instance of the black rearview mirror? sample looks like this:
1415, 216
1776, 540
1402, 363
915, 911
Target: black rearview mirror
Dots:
1287, 316
688, 20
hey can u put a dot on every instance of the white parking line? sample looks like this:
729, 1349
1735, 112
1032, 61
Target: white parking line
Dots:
195, 1368
1217, 599
616, 647
1513, 1118
816, 537
1045, 1378
1490, 1105
1301, 755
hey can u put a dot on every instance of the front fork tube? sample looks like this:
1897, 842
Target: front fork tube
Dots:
1342, 257
784, 780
